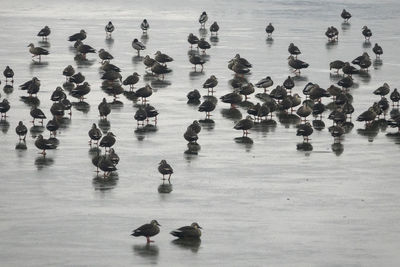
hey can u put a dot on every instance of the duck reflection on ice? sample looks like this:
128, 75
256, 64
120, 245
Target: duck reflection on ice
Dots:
101, 184
35, 130
42, 162
81, 106
337, 148
188, 244
165, 188
4, 125
148, 251
8, 89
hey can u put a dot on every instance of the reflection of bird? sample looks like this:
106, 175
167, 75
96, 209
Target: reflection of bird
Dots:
44, 32
165, 169
95, 134
144, 26
138, 46
37, 51
77, 36
188, 232
245, 125
203, 19
345, 15
147, 230
109, 28
269, 29
44, 144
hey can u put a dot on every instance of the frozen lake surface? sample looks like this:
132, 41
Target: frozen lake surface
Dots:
260, 204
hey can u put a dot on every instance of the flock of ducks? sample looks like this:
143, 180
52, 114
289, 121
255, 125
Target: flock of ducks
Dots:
287, 106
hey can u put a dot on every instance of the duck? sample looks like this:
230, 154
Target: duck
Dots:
52, 125
269, 29
366, 32
104, 55
193, 96
44, 144
9, 74
131, 80
382, 90
377, 49
108, 140
165, 169
244, 125
77, 78
95, 134
144, 26
293, 50
395, 96
196, 60
147, 230
78, 36
21, 131
265, 83
80, 91
44, 32
232, 98
203, 45
162, 58
68, 72
203, 19
304, 130
192, 40
159, 69
191, 136
84, 49
207, 106
188, 232
148, 61
144, 92
288, 83
345, 15
109, 28
349, 70
37, 51
336, 65
210, 83
246, 90
37, 113
4, 108
104, 109
297, 64
58, 94
140, 116
138, 46
214, 28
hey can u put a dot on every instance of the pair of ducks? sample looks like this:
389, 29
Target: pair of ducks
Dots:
151, 229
